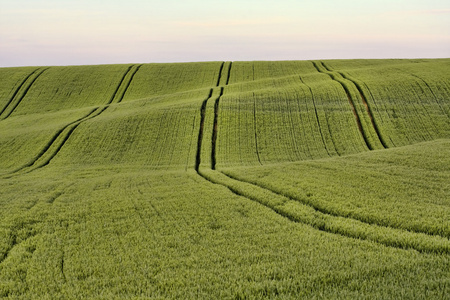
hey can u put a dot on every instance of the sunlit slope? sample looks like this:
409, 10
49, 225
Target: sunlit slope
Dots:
12, 80
401, 193
408, 98
118, 234
154, 126
226, 180
46, 100
78, 122
286, 112
218, 114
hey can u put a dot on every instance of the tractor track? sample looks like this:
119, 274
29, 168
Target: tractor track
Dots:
331, 223
350, 101
327, 211
254, 129
434, 95
201, 130
64, 133
198, 155
365, 102
215, 130
317, 119
216, 119
16, 92
320, 218
23, 86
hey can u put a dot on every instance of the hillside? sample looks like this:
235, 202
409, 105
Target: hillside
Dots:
287, 179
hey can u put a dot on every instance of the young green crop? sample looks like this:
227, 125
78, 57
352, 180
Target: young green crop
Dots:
235, 180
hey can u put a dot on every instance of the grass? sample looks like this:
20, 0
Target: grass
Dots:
242, 180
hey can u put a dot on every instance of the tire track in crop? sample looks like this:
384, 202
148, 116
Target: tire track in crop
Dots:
350, 100
366, 104
220, 74
59, 139
434, 95
17, 91
24, 86
317, 217
299, 212
201, 130
318, 121
61, 267
215, 122
373, 99
329, 212
254, 128
216, 118
214, 133
229, 73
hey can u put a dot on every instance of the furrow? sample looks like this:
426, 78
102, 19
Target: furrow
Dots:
350, 101
294, 149
376, 105
51, 142
128, 83
215, 128
229, 73
17, 91
328, 212
200, 131
23, 94
317, 117
255, 129
366, 105
190, 144
346, 227
61, 267
60, 138
220, 74
434, 95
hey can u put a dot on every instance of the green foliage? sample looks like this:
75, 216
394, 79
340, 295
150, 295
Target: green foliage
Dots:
100, 197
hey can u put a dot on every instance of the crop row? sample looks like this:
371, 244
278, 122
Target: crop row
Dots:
122, 233
403, 189
297, 211
408, 98
292, 118
267, 112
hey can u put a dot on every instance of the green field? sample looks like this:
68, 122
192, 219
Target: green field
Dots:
226, 180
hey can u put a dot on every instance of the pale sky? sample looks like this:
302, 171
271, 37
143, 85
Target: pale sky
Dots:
79, 32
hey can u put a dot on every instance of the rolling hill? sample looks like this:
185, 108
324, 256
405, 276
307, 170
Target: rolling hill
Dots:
237, 180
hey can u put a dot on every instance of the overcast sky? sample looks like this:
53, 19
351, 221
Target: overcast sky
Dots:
74, 32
